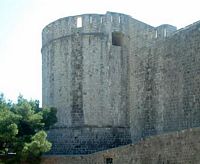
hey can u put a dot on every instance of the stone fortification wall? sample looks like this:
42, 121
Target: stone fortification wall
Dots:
164, 31
167, 82
142, 81
142, 37
87, 140
177, 80
85, 77
173, 148
110, 73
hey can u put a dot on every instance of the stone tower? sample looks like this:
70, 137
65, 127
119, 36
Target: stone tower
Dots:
85, 76
116, 80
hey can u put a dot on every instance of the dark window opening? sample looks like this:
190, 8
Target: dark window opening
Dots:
109, 161
117, 38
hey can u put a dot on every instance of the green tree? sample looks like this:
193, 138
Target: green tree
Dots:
22, 126
36, 147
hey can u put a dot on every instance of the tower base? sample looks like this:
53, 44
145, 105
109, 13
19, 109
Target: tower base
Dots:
86, 140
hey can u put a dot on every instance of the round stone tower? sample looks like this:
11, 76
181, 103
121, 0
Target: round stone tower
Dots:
85, 76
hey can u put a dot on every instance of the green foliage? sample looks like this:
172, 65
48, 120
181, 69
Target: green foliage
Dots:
21, 129
38, 144
49, 117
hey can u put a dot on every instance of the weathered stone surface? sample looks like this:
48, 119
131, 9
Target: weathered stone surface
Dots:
85, 77
87, 140
166, 85
115, 75
174, 148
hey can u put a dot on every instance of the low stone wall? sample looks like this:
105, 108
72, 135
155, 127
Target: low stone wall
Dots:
172, 148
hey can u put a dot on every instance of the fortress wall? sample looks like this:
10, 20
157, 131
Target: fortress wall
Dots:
173, 148
84, 75
116, 72
57, 84
86, 140
83, 70
85, 78
165, 84
142, 37
164, 31
105, 70
178, 80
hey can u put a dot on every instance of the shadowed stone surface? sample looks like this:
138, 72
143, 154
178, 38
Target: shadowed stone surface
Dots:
174, 148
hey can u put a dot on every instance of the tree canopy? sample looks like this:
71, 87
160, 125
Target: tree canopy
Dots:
22, 126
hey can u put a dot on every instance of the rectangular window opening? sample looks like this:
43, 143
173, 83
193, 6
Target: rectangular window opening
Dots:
109, 161
117, 38
90, 19
119, 19
165, 32
79, 22
156, 36
111, 18
101, 19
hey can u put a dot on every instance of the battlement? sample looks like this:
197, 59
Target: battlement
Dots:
165, 30
85, 24
99, 24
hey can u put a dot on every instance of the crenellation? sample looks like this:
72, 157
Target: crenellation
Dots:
165, 30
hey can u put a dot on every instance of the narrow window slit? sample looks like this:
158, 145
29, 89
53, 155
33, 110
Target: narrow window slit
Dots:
101, 19
90, 19
119, 19
79, 22
156, 36
165, 32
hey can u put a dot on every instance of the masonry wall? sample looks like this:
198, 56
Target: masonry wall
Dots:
141, 39
165, 82
115, 73
85, 76
177, 80
87, 140
173, 148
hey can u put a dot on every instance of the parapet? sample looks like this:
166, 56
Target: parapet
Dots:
165, 30
85, 24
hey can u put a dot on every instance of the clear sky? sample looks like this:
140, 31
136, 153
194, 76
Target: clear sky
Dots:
21, 23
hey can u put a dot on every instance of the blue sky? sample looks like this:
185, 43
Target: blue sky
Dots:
23, 20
